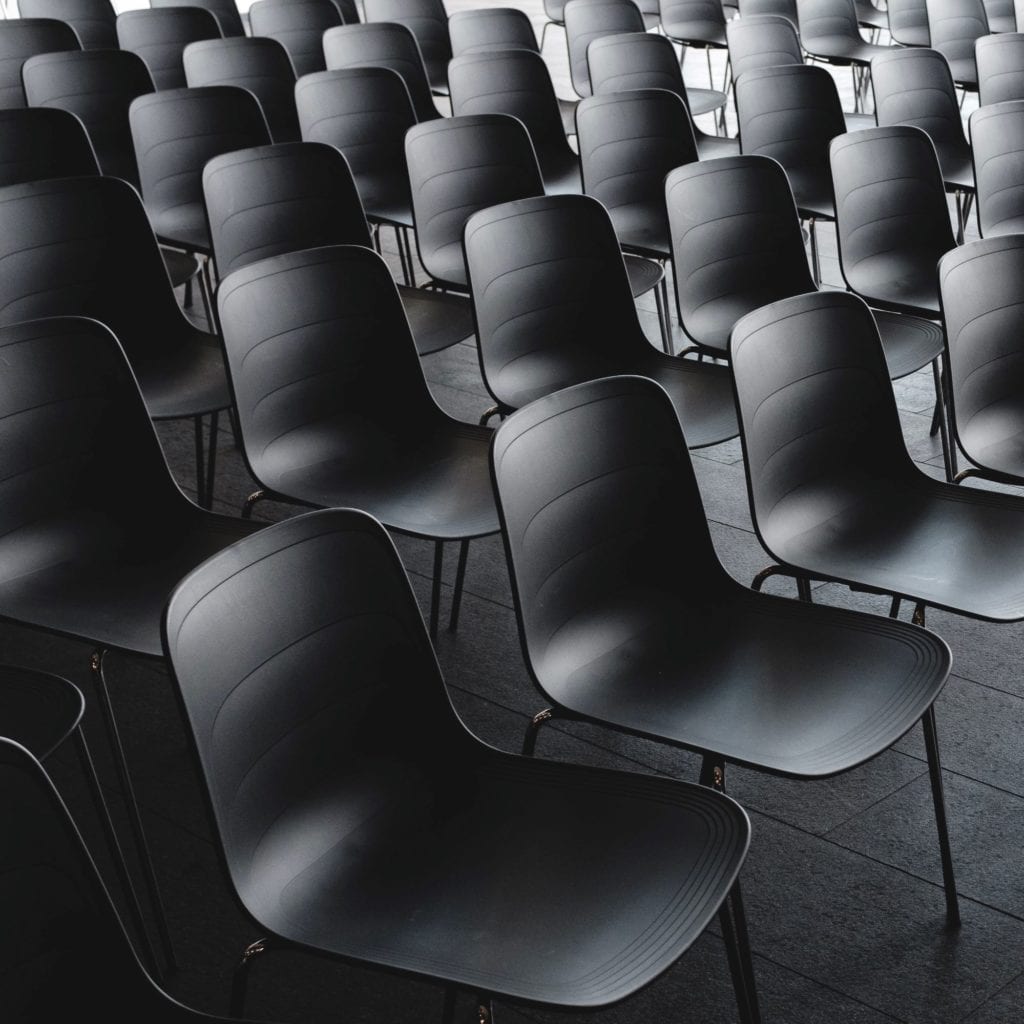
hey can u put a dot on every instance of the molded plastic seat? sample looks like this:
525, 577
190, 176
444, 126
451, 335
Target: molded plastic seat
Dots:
298, 25
381, 830
517, 82
427, 20
696, 23
159, 37
333, 407
225, 11
1000, 15
829, 31
782, 8
270, 200
979, 284
21, 38
586, 20
908, 22
1000, 61
997, 140
491, 28
43, 142
260, 65
383, 45
762, 41
92, 20
953, 28
553, 308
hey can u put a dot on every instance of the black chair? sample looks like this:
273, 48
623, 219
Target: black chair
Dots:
92, 20
915, 86
792, 113
586, 20
517, 82
21, 38
383, 46
553, 308
225, 11
696, 25
1000, 15
43, 142
175, 132
979, 285
997, 138
434, 853
628, 619
427, 20
333, 407
1000, 62
954, 26
762, 41
365, 112
641, 60
159, 36
737, 245
260, 65
298, 25
270, 200
908, 22
94, 532
491, 28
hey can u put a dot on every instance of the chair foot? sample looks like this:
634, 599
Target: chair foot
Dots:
240, 976
931, 740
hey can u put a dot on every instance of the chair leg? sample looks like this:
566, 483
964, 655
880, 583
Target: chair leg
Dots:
530, 739
803, 588
733, 922
931, 742
815, 257
492, 411
948, 457
211, 457
894, 608
240, 976
435, 590
250, 503
664, 324
411, 280
460, 576
197, 427
766, 574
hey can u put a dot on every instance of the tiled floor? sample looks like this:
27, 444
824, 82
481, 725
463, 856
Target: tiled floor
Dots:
842, 882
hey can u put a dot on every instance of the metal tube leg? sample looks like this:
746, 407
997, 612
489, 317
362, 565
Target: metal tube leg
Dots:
435, 590
460, 576
250, 503
947, 455
211, 457
197, 426
735, 963
931, 742
204, 293
409, 253
661, 299
815, 258
530, 739
240, 976
959, 217
894, 608
803, 588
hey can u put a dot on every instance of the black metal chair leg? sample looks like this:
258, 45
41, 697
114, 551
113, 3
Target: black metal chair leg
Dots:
940, 415
250, 503
664, 322
931, 742
435, 590
211, 457
460, 576
409, 255
765, 574
197, 426
530, 739
240, 977
735, 898
746, 1002
803, 588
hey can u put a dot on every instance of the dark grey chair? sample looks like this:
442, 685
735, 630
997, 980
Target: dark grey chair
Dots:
160, 35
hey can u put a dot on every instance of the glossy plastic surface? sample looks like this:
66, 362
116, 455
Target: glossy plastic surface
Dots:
699, 23
21, 38
298, 25
160, 36
1000, 60
997, 138
428, 22
225, 11
586, 20
783, 8
491, 28
92, 20
1000, 14
908, 22
829, 30
762, 41
43, 142
954, 26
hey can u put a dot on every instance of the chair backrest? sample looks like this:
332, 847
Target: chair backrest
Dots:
300, 655
299, 26
260, 65
635, 60
694, 20
586, 20
175, 132
92, 20
889, 196
43, 142
736, 243
819, 420
1001, 15
427, 20
383, 46
21, 38
98, 86
997, 140
820, 19
270, 200
491, 28
460, 165
1018, 13
551, 296
908, 22
762, 41
755, 8
159, 37
1000, 60
914, 85
953, 28
225, 11
599, 506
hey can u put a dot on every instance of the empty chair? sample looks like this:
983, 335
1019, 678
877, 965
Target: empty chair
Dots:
915, 86
269, 200
427, 20
553, 308
997, 140
620, 595
762, 40
517, 82
225, 11
21, 38
159, 36
491, 28
908, 22
383, 46
782, 8
1000, 15
260, 65
333, 407
586, 20
43, 142
298, 25
1000, 61
92, 20
954, 26
697, 25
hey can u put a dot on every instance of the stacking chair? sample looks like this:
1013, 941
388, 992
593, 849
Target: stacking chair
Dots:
553, 308
997, 138
160, 35
270, 200
43, 142
954, 26
1000, 15
260, 65
94, 531
908, 22
979, 286
21, 38
92, 20
298, 25
737, 245
517, 82
383, 46
225, 11
1000, 61
696, 25
434, 853
427, 20
915, 86
586, 20
762, 41
491, 28
333, 407
628, 619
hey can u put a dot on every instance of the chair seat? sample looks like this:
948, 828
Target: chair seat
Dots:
957, 168
387, 207
1002, 23
896, 283
773, 683
703, 101
37, 709
965, 72
712, 146
855, 122
560, 169
994, 438
567, 108
186, 380
644, 274
642, 229
813, 193
697, 33
184, 226
475, 877
181, 266
870, 16
438, 320
909, 342
841, 49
